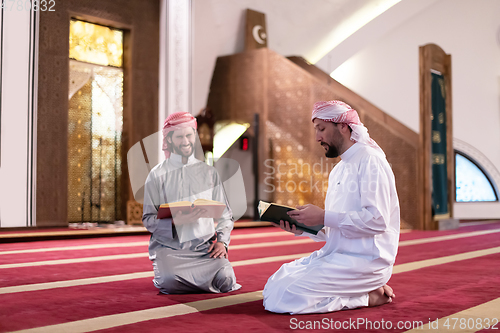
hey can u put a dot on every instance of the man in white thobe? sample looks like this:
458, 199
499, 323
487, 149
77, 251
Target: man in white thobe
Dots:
189, 255
361, 226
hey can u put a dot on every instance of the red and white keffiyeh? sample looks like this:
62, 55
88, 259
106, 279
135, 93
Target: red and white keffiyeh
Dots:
340, 112
174, 122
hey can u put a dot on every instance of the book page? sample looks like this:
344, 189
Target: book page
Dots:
177, 204
263, 206
284, 206
201, 202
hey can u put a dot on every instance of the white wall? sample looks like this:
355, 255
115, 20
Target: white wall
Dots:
17, 112
294, 27
386, 74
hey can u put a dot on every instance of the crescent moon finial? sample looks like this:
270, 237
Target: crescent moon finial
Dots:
256, 36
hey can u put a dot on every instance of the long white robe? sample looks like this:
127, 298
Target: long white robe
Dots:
180, 257
361, 232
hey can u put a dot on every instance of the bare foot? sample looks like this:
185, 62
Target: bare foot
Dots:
380, 296
388, 291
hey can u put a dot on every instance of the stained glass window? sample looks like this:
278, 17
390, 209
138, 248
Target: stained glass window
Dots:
472, 184
95, 43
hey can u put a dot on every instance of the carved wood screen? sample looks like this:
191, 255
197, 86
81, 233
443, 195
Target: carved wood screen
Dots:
434, 60
283, 92
141, 24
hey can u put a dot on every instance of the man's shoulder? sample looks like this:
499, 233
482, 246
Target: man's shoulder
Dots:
158, 170
369, 157
367, 152
160, 166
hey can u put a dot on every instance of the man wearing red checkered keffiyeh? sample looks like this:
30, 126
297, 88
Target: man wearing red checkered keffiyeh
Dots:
189, 254
186, 125
360, 225
339, 112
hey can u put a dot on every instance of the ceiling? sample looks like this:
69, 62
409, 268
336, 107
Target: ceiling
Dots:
307, 28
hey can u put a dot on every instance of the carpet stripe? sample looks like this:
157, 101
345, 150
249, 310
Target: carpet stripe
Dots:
269, 259
122, 277
73, 283
485, 310
443, 260
130, 276
144, 243
447, 237
234, 247
74, 261
258, 235
81, 247
143, 254
245, 311
265, 244
104, 322
72, 232
488, 310
245, 236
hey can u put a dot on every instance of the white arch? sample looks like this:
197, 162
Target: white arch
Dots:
486, 165
478, 210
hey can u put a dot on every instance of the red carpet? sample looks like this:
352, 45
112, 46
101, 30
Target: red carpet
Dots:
431, 292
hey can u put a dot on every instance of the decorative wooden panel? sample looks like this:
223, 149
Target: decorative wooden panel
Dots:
283, 92
255, 30
432, 57
134, 212
140, 20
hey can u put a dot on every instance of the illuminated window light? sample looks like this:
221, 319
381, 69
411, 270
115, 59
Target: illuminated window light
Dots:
348, 27
226, 136
209, 158
95, 44
471, 182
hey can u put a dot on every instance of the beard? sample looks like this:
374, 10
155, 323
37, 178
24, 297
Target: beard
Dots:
332, 151
179, 151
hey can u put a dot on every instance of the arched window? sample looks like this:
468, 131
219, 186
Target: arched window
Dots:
472, 183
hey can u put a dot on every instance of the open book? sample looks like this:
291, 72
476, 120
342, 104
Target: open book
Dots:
273, 212
214, 209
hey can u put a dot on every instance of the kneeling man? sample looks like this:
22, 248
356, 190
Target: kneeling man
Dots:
189, 255
361, 225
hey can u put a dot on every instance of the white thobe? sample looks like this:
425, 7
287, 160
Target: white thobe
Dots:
361, 232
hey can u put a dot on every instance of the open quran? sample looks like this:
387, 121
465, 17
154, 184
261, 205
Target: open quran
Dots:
273, 212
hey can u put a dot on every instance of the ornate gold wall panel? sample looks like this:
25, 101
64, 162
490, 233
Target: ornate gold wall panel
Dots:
79, 136
140, 22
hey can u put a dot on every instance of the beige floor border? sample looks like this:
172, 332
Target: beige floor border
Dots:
104, 322
246, 236
78, 247
129, 276
40, 234
144, 254
74, 260
447, 237
130, 244
123, 277
410, 266
473, 319
233, 247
